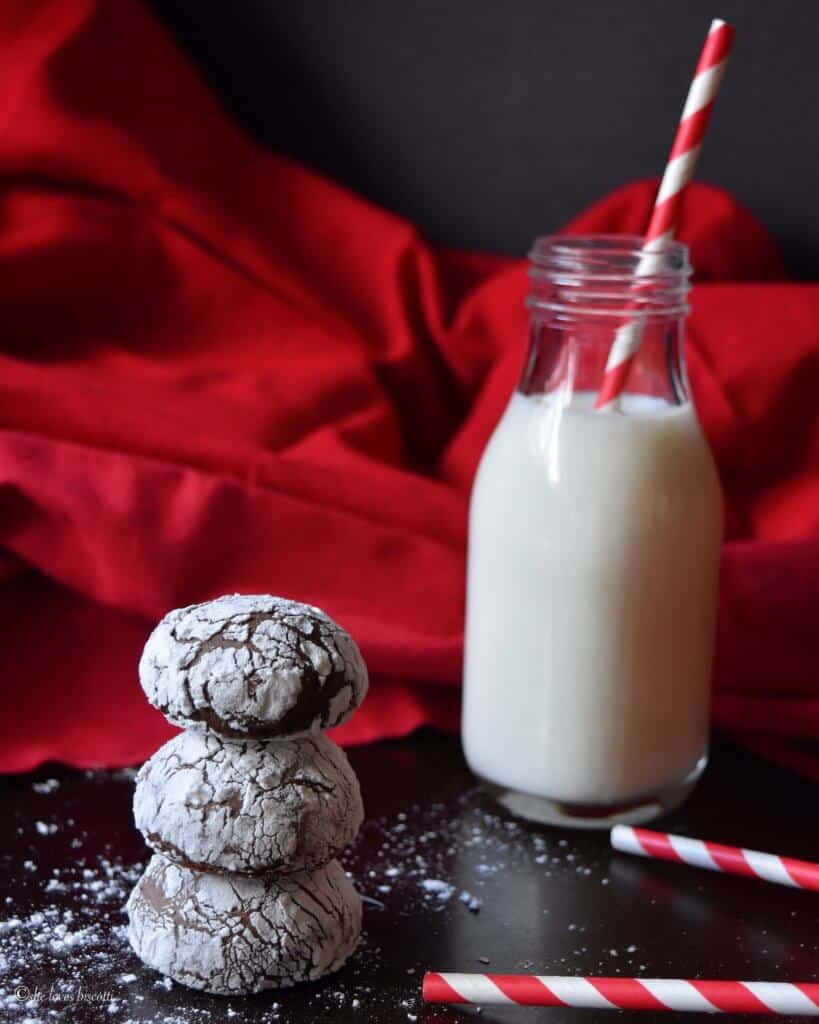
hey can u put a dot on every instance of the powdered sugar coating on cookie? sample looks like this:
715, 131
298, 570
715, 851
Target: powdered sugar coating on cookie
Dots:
249, 806
253, 665
237, 935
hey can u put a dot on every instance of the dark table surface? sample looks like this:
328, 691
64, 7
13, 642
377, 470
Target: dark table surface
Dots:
550, 901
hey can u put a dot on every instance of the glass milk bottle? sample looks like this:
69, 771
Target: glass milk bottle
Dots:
593, 550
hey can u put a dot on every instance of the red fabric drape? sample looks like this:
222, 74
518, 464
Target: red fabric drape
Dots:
220, 372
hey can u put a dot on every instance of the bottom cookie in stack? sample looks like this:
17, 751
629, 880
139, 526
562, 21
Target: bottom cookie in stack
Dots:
230, 934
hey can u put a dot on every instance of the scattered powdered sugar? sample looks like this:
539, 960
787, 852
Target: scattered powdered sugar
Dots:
46, 786
470, 902
442, 891
423, 857
72, 948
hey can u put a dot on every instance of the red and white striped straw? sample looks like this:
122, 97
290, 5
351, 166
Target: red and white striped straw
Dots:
625, 993
679, 171
732, 860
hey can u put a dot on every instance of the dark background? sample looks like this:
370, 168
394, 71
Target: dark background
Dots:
487, 122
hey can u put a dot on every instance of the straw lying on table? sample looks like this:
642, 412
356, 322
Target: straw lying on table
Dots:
678, 173
624, 993
700, 853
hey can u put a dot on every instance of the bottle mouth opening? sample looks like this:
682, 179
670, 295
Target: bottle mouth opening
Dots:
613, 257
608, 275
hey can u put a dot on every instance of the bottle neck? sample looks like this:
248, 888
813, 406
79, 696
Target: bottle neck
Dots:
583, 290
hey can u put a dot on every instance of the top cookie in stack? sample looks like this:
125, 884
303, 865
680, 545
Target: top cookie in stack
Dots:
253, 667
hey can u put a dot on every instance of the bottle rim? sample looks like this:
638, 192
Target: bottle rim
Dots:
607, 255
597, 275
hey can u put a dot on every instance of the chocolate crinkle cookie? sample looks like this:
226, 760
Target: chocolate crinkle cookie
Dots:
241, 935
253, 666
250, 806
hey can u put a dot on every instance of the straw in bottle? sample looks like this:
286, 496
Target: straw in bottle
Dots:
678, 173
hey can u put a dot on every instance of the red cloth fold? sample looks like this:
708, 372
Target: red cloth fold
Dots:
220, 372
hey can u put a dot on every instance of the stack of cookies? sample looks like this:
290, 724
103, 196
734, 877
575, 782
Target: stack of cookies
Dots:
248, 807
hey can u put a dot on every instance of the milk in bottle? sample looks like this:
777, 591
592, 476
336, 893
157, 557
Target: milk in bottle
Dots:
593, 550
